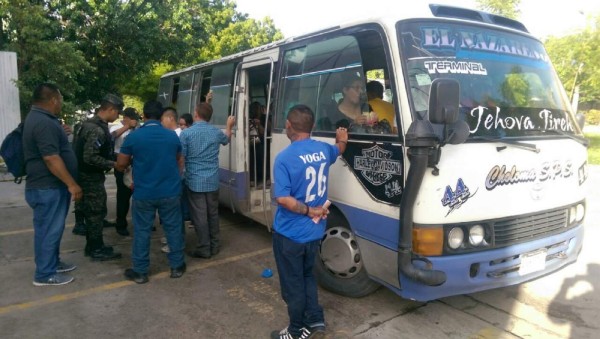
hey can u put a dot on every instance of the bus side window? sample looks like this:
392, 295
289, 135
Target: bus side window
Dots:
165, 91
312, 76
184, 95
221, 85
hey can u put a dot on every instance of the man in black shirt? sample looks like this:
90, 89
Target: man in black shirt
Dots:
51, 168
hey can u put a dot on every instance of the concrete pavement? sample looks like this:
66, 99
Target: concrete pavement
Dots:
225, 297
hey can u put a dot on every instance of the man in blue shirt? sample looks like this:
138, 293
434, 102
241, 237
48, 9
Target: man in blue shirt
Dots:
201, 143
157, 165
51, 168
300, 188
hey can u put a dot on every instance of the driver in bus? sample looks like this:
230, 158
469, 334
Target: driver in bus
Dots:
349, 112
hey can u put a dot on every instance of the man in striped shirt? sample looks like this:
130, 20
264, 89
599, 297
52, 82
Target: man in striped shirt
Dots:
200, 148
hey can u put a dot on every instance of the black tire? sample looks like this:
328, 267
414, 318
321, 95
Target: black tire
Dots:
338, 266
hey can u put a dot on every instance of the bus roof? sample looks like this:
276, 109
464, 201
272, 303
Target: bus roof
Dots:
420, 11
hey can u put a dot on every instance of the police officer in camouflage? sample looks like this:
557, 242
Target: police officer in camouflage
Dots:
94, 151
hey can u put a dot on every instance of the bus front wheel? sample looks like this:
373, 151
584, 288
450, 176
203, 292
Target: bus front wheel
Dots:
339, 267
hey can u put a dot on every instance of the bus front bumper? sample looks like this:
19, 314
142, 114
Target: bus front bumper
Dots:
478, 271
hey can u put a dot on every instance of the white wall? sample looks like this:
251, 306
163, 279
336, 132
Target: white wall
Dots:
10, 115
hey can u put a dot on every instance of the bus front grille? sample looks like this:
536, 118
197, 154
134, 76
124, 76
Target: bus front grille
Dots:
526, 228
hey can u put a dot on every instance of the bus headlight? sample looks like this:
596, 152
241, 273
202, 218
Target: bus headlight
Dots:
476, 235
580, 213
456, 236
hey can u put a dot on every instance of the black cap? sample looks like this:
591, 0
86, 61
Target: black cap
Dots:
131, 113
115, 100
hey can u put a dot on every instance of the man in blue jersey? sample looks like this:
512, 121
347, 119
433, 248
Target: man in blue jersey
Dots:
300, 188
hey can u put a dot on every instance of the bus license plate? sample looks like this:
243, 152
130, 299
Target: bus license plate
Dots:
533, 261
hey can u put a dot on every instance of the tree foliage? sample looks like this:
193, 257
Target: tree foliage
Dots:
507, 8
90, 48
576, 57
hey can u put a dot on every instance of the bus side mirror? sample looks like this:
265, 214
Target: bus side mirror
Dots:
443, 101
580, 119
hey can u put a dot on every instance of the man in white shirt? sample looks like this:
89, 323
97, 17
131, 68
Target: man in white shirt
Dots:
119, 133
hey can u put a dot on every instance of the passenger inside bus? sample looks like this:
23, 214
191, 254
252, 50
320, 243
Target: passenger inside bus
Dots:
256, 133
349, 112
385, 111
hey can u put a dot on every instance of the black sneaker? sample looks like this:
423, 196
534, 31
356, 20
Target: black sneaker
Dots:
284, 334
122, 231
87, 252
179, 271
138, 278
108, 224
103, 254
79, 229
198, 254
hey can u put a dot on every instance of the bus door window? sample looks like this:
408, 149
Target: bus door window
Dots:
258, 84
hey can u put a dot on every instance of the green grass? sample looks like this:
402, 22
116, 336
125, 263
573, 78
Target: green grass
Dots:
594, 149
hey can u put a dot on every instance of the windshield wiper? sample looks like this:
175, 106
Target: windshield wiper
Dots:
512, 143
585, 142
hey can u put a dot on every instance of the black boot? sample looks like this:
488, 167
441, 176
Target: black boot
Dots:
108, 224
96, 250
104, 254
79, 228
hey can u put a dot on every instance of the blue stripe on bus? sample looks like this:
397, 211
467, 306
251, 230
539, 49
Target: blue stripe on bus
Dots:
374, 227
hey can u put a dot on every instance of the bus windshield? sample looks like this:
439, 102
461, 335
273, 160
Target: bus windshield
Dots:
508, 87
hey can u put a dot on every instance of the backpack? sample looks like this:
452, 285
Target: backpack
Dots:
13, 154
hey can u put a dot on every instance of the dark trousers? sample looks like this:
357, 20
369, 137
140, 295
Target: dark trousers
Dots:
93, 203
256, 161
123, 198
204, 211
298, 284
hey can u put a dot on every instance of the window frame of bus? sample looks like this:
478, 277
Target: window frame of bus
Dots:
221, 84
281, 111
166, 85
186, 83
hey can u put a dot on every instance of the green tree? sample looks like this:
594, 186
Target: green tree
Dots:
507, 8
239, 36
31, 32
90, 48
575, 57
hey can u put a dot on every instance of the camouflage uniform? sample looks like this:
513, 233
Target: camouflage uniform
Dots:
94, 150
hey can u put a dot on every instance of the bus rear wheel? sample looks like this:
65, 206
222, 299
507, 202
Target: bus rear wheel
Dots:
339, 267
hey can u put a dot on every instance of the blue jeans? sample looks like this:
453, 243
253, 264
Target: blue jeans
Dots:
50, 208
143, 212
298, 284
